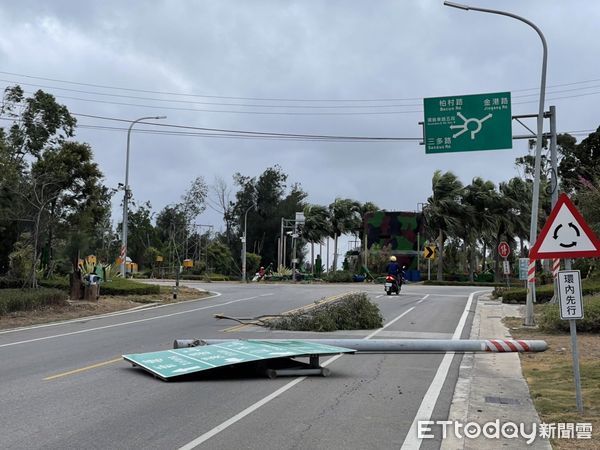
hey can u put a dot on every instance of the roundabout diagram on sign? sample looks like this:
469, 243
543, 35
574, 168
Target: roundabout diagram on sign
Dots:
465, 126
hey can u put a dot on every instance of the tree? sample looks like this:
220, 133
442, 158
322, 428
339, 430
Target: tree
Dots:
41, 122
316, 227
268, 193
580, 163
83, 201
476, 222
172, 230
363, 209
219, 200
443, 209
194, 200
141, 235
344, 217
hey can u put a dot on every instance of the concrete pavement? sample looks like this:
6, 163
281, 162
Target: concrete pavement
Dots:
491, 386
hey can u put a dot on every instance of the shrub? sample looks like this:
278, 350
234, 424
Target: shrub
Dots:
351, 312
28, 299
339, 276
545, 293
55, 283
550, 318
10, 283
121, 286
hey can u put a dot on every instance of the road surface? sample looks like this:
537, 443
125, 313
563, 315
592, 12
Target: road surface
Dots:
65, 386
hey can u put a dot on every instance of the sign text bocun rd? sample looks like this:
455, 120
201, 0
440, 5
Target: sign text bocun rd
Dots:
468, 123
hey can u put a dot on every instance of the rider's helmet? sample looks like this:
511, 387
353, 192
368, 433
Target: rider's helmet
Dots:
393, 258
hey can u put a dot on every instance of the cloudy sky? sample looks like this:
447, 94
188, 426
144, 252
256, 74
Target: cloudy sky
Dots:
309, 67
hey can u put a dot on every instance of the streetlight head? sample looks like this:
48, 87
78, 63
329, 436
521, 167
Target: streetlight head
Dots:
457, 5
160, 117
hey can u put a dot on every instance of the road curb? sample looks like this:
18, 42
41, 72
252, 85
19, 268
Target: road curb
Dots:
491, 386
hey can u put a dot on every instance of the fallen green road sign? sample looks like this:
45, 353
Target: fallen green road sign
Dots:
182, 361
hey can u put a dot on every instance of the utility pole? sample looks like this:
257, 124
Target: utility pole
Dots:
529, 319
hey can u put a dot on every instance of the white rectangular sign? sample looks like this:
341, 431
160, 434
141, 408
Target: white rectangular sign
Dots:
569, 293
506, 267
523, 263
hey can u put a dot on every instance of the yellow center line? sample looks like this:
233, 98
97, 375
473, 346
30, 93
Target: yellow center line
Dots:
83, 369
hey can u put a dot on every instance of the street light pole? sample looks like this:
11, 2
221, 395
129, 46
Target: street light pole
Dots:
128, 193
244, 243
529, 320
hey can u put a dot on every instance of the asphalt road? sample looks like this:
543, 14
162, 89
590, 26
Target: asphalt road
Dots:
65, 386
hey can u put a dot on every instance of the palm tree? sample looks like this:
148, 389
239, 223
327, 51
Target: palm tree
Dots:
504, 224
519, 193
443, 210
316, 227
363, 209
343, 218
477, 197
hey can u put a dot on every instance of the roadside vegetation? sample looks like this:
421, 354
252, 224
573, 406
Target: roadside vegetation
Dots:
56, 220
350, 312
550, 374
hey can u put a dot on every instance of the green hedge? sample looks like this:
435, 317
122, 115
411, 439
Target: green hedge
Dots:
543, 294
461, 283
28, 299
120, 286
550, 320
117, 286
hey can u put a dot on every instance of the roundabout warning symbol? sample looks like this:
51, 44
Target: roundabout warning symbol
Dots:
566, 234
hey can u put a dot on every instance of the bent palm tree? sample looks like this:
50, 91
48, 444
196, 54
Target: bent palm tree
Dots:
443, 210
343, 217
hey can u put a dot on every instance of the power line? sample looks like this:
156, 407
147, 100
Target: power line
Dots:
263, 98
239, 134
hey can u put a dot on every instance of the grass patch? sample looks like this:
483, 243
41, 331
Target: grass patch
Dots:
12, 300
350, 312
550, 378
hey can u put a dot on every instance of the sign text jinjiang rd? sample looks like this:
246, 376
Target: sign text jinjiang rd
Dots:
468, 123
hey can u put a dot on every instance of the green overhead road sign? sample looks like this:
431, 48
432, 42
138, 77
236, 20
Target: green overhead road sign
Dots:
172, 363
463, 123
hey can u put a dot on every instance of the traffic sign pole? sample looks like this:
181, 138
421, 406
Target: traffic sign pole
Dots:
576, 375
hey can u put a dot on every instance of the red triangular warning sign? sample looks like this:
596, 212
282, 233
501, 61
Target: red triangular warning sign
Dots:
565, 234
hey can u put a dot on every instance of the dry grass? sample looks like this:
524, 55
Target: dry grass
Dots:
106, 304
550, 379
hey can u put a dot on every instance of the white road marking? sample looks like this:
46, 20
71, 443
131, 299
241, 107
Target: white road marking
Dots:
126, 323
249, 410
112, 314
412, 442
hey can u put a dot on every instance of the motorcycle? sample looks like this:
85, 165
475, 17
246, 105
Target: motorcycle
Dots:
392, 284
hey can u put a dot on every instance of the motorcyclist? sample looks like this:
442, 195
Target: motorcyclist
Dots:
394, 269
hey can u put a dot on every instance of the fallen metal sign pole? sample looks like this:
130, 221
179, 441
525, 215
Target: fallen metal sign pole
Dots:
278, 357
403, 345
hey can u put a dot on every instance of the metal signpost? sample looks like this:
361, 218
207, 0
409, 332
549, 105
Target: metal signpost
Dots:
464, 123
429, 254
567, 235
571, 309
504, 251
